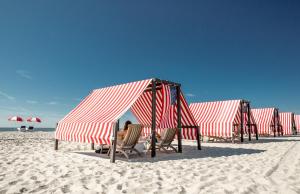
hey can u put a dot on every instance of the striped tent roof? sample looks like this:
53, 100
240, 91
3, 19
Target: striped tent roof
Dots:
264, 118
166, 112
218, 118
286, 122
94, 118
297, 122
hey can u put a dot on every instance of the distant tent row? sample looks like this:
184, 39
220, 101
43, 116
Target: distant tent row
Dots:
159, 104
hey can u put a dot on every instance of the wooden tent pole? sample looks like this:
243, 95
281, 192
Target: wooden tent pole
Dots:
256, 131
92, 146
278, 123
294, 125
274, 121
56, 140
249, 121
179, 119
56, 144
153, 128
198, 138
242, 122
114, 143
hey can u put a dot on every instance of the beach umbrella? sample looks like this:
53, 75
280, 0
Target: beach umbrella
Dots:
15, 118
34, 119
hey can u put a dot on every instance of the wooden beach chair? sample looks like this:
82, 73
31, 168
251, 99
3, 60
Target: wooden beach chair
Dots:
166, 140
131, 139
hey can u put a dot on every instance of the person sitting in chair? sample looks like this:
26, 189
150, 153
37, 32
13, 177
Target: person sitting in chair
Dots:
122, 134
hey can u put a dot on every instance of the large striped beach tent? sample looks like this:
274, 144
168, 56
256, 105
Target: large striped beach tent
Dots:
288, 123
267, 121
224, 119
153, 101
297, 123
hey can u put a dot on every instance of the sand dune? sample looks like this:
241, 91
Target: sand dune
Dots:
29, 164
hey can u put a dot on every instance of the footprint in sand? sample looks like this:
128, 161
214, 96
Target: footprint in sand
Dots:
119, 187
65, 189
23, 190
12, 183
21, 172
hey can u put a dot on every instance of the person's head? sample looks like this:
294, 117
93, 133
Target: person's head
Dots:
126, 124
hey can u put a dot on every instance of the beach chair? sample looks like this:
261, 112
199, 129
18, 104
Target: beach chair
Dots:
131, 139
30, 128
22, 128
166, 140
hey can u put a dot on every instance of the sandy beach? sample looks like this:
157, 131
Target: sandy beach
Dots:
29, 164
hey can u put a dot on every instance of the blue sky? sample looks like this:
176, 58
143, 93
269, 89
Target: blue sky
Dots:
52, 53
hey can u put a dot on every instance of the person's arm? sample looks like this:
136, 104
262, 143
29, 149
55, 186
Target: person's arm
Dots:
120, 135
158, 136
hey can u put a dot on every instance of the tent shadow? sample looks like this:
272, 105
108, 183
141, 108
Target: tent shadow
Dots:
271, 139
189, 152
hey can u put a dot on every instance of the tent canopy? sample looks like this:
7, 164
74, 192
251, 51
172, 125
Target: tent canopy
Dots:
286, 119
218, 118
264, 118
94, 118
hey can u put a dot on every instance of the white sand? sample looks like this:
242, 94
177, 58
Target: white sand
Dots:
29, 164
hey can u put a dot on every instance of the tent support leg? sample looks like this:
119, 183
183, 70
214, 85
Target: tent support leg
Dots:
179, 119
242, 122
249, 120
56, 144
56, 140
256, 132
114, 143
92, 146
153, 128
198, 139
274, 121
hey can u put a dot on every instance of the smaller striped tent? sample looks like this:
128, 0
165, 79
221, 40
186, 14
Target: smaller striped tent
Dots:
287, 122
297, 123
265, 119
224, 119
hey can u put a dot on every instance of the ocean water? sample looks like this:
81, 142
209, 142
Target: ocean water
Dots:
2, 129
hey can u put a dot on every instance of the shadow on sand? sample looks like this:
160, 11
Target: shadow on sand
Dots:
189, 152
273, 139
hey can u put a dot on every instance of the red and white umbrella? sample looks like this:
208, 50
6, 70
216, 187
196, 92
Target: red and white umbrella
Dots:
15, 118
34, 119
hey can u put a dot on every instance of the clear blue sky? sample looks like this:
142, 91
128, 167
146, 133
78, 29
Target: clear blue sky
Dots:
52, 53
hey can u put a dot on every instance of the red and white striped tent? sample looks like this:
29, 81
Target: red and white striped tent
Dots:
223, 118
93, 120
297, 123
287, 122
265, 119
